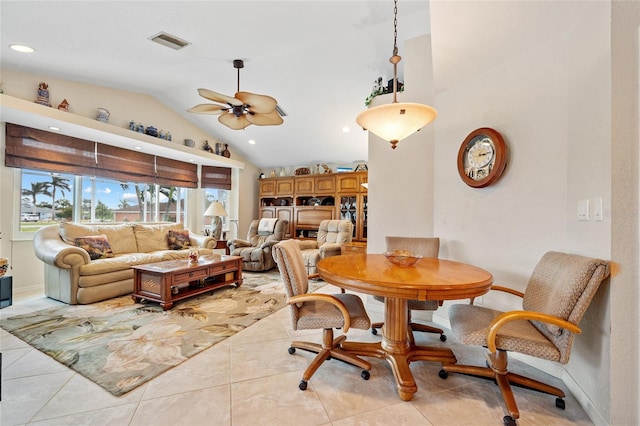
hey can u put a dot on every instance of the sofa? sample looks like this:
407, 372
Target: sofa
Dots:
87, 263
256, 249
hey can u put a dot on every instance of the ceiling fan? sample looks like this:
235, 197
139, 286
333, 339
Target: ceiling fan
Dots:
241, 110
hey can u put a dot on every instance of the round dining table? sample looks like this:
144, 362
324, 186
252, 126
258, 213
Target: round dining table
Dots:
428, 279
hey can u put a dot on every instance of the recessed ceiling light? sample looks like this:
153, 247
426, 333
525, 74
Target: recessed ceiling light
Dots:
139, 148
252, 142
346, 129
21, 48
54, 128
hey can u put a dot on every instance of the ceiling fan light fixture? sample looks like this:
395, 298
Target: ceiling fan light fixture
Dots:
241, 110
395, 121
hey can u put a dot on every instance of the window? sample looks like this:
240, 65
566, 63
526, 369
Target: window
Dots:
53, 197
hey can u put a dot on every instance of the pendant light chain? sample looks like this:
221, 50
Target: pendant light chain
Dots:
395, 58
395, 27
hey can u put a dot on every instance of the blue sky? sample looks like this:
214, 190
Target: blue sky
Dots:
109, 192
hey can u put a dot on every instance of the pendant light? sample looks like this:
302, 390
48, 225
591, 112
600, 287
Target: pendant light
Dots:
397, 120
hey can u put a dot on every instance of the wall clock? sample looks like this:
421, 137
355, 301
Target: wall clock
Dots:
482, 158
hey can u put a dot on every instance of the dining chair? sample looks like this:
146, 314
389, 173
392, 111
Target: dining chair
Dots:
319, 311
425, 247
557, 295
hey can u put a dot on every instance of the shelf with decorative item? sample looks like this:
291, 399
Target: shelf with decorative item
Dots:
378, 89
31, 114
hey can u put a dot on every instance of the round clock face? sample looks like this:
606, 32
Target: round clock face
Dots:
482, 157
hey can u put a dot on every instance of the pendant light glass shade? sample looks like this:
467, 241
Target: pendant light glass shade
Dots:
395, 121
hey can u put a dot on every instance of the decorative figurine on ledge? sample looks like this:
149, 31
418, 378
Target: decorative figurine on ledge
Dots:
64, 105
326, 169
43, 94
207, 147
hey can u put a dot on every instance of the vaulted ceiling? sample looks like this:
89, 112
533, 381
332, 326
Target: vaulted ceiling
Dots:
319, 59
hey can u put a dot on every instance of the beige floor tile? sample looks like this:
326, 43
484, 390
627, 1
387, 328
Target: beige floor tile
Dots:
260, 359
33, 363
80, 395
120, 415
202, 407
398, 414
207, 369
24, 397
275, 400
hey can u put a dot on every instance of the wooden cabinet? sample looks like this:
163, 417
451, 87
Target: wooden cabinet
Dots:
308, 218
353, 207
307, 200
276, 187
352, 182
315, 185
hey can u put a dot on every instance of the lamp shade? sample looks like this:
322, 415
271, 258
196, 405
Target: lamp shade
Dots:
395, 121
215, 209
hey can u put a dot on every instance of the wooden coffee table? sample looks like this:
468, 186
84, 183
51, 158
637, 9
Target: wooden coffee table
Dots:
172, 280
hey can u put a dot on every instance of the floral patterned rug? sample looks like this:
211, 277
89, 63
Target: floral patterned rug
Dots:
120, 344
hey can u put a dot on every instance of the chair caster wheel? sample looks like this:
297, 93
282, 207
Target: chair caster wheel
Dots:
292, 351
443, 338
374, 331
560, 403
365, 374
508, 421
303, 385
443, 374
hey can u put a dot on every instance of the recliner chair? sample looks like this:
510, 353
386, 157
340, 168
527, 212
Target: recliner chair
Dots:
256, 249
332, 234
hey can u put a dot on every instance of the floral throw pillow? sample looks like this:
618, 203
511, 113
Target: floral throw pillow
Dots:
178, 239
96, 245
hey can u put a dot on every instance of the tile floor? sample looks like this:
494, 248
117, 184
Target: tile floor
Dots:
250, 379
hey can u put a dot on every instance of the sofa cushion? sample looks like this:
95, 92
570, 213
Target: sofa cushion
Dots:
96, 245
153, 237
178, 239
120, 237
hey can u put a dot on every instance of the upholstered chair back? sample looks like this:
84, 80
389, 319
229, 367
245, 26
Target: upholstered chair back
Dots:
335, 231
563, 285
425, 247
293, 273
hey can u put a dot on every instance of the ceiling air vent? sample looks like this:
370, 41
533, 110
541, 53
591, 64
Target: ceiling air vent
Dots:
280, 111
169, 40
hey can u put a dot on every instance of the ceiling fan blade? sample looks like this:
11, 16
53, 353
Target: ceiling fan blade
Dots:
270, 119
233, 122
208, 109
218, 97
261, 104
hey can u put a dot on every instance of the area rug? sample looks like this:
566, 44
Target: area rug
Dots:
120, 345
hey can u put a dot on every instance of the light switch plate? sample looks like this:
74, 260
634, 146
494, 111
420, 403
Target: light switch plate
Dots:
597, 209
583, 210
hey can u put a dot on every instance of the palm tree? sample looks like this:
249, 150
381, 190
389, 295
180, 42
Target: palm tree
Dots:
56, 183
36, 189
124, 203
171, 193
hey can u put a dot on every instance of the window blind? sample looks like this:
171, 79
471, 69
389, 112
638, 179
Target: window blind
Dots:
215, 177
29, 148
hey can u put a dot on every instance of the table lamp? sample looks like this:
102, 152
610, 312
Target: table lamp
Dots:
215, 210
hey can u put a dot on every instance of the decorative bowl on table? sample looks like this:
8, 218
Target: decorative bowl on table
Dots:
402, 257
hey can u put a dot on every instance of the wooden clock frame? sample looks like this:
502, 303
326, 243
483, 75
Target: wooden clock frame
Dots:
500, 154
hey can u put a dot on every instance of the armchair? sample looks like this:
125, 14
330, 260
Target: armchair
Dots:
332, 234
255, 251
559, 292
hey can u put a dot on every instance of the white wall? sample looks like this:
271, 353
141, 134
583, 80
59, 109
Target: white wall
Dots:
27, 270
552, 101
